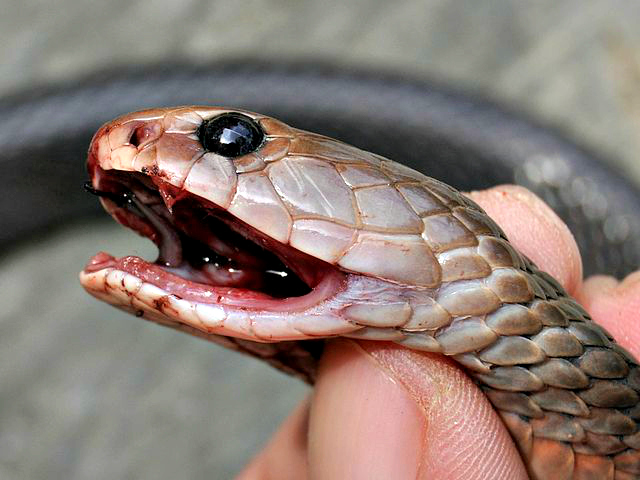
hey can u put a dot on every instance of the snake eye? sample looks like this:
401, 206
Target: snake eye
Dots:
230, 135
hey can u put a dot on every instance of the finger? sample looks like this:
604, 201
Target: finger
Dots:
285, 456
540, 234
535, 230
616, 306
382, 411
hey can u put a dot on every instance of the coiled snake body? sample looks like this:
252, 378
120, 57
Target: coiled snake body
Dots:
272, 239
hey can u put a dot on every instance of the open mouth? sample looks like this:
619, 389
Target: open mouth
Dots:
205, 254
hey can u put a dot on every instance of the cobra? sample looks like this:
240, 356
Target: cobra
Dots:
272, 239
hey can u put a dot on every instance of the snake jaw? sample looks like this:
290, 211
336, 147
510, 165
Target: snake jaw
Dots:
205, 255
235, 292
152, 174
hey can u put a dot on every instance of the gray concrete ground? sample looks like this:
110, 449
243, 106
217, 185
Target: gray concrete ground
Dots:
86, 392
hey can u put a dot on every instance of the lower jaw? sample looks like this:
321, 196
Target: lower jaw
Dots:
274, 337
333, 282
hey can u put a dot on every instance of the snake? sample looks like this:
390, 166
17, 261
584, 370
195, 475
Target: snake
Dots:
272, 240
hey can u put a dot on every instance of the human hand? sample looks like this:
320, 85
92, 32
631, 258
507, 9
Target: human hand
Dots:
380, 411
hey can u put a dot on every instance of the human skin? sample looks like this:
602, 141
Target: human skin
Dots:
380, 411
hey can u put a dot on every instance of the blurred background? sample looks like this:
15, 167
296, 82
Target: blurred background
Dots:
87, 392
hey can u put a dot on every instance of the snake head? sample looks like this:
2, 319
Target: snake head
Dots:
267, 233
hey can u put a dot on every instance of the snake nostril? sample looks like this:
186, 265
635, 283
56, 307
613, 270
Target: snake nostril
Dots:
139, 135
145, 133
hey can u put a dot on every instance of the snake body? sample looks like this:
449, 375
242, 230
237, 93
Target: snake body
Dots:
387, 254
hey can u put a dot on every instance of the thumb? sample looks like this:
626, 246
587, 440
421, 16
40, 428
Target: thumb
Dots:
381, 411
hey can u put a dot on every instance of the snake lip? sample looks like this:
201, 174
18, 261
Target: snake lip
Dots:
205, 254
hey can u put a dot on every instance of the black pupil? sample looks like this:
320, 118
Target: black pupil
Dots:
230, 135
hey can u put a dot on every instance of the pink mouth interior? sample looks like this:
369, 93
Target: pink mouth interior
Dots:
205, 254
